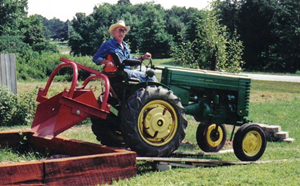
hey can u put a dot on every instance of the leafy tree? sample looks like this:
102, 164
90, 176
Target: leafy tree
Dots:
14, 44
24, 37
75, 42
268, 29
58, 29
88, 32
132, 38
152, 29
287, 31
33, 31
154, 38
124, 2
11, 14
81, 36
46, 24
15, 25
255, 25
192, 26
34, 35
54, 28
210, 41
177, 19
228, 13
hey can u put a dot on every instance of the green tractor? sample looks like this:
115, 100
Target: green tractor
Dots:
149, 117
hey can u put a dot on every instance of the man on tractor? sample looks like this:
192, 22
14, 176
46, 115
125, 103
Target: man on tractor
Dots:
120, 47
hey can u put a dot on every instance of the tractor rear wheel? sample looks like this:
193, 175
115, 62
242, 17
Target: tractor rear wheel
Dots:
153, 122
249, 142
211, 137
106, 133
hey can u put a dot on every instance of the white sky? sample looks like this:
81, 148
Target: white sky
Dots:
66, 9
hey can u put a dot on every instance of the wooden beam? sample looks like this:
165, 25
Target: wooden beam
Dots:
88, 164
26, 172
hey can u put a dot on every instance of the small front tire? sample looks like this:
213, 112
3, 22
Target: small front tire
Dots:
209, 138
249, 142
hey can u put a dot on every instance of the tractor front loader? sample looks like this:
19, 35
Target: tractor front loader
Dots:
149, 117
62, 111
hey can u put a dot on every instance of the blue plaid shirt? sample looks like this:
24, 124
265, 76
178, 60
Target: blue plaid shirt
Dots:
112, 46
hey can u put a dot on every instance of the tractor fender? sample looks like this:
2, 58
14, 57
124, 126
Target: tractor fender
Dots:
136, 87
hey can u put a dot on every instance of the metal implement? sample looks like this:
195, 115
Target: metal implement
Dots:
62, 111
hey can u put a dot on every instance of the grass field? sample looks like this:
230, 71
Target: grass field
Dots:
275, 103
62, 46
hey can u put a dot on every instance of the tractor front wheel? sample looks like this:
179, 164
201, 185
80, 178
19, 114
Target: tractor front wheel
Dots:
153, 122
211, 137
249, 142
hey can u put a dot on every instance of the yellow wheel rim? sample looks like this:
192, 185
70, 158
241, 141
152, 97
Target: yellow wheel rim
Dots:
157, 123
214, 139
252, 143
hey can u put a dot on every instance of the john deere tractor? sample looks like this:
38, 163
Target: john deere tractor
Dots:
149, 117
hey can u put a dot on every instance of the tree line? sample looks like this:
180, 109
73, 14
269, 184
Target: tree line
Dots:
269, 29
233, 34
250, 34
164, 33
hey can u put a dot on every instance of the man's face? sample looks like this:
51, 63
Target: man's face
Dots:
119, 33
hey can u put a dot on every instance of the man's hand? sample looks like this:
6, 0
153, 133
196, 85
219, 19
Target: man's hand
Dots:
147, 55
108, 66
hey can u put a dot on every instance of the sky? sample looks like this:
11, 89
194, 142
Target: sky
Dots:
66, 9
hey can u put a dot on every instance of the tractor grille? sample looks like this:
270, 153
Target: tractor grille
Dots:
247, 95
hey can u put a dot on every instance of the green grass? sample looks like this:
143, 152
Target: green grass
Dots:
278, 173
62, 46
8, 155
164, 62
275, 103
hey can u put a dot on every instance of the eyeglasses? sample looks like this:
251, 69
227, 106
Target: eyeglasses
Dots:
120, 30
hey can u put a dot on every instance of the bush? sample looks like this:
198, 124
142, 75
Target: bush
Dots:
16, 110
44, 47
40, 67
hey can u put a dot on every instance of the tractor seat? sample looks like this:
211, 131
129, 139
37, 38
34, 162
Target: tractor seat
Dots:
113, 66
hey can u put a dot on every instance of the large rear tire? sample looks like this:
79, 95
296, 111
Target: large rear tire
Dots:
249, 142
106, 133
153, 122
211, 137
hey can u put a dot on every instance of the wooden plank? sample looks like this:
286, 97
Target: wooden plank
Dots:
192, 160
273, 128
290, 140
2, 70
163, 164
177, 153
101, 166
60, 145
8, 75
26, 172
10, 138
282, 135
13, 72
97, 169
